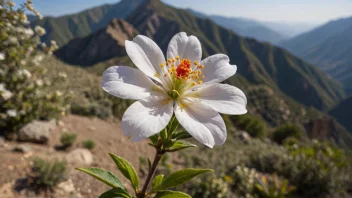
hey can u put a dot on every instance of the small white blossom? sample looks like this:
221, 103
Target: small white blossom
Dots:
62, 75
2, 87
2, 56
11, 113
39, 82
6, 95
41, 31
12, 40
24, 73
28, 32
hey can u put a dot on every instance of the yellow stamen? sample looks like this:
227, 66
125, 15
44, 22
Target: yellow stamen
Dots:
161, 65
195, 63
200, 82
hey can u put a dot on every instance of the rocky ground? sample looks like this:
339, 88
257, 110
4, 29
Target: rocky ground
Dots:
15, 165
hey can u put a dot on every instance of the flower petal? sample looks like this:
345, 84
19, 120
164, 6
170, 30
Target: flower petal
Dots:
146, 117
146, 55
127, 83
222, 98
217, 68
202, 122
187, 47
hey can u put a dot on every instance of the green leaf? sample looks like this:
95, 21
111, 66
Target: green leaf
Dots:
181, 135
163, 134
154, 138
126, 169
115, 193
179, 145
180, 177
104, 176
157, 181
171, 194
172, 126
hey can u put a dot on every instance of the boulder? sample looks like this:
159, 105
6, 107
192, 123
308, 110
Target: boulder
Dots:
37, 131
80, 157
22, 149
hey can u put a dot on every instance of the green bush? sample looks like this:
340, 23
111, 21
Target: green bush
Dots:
89, 144
210, 188
255, 126
47, 174
25, 90
285, 131
67, 139
92, 109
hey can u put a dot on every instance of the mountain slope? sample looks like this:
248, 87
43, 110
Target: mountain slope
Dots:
342, 112
63, 29
328, 47
244, 27
259, 63
102, 45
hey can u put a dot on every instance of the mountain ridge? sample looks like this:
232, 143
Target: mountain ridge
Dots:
329, 47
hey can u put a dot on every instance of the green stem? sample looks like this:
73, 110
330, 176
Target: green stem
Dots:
158, 155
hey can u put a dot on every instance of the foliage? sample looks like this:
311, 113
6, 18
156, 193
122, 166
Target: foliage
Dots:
46, 174
285, 131
92, 109
89, 144
210, 188
255, 126
25, 92
67, 139
316, 169
168, 140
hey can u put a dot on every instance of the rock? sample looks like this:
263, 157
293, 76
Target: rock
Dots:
22, 149
244, 136
67, 186
80, 157
37, 131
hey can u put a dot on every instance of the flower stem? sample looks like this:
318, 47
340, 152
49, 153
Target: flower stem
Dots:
158, 155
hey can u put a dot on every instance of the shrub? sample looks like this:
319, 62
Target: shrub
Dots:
210, 188
67, 139
285, 131
102, 111
252, 124
46, 175
24, 89
89, 144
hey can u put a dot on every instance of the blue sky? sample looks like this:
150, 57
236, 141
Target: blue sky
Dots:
307, 11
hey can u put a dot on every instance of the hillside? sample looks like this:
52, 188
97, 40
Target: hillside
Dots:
64, 28
244, 27
329, 47
258, 63
102, 45
342, 112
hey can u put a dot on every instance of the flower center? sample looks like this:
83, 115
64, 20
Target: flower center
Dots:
180, 75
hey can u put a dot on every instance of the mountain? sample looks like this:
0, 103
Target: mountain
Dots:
342, 112
329, 47
289, 29
244, 27
102, 45
259, 63
63, 29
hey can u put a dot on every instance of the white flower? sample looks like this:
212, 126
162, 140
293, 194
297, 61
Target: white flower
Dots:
183, 85
41, 31
24, 73
2, 87
11, 112
2, 56
6, 95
